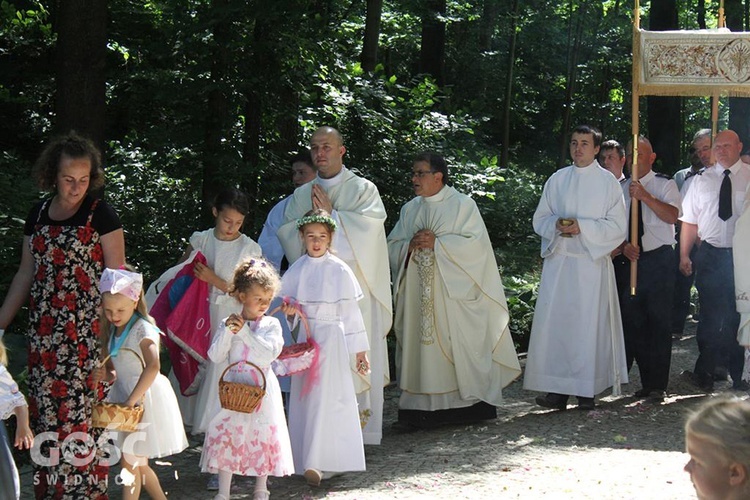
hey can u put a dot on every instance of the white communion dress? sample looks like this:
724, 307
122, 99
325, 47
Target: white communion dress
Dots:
161, 432
324, 422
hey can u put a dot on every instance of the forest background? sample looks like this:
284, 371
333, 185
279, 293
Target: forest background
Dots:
187, 96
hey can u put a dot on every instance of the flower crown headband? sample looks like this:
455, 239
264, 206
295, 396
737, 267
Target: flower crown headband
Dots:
316, 219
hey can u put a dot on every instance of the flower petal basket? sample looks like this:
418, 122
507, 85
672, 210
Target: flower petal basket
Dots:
115, 416
240, 397
297, 357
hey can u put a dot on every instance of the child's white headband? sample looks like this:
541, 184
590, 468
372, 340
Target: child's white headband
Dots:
122, 281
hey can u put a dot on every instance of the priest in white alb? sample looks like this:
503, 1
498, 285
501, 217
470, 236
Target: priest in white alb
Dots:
355, 205
454, 352
576, 346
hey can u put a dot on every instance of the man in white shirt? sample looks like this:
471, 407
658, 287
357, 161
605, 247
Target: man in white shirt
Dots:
646, 320
576, 345
700, 158
612, 158
710, 211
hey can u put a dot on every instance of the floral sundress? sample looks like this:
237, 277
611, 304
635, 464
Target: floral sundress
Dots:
63, 349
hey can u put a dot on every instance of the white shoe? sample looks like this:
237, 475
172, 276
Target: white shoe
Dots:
219, 496
261, 495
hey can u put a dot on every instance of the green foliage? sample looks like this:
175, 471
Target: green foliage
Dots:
507, 204
17, 194
158, 211
521, 293
203, 93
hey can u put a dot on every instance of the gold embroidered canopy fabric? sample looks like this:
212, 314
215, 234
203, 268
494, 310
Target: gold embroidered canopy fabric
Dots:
693, 63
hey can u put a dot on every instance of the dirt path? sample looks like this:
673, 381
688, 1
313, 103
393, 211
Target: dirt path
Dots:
625, 449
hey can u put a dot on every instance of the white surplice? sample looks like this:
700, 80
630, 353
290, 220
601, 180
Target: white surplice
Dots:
360, 242
324, 423
576, 344
451, 321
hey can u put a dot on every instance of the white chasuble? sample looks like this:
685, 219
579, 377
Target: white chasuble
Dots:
454, 346
576, 344
361, 215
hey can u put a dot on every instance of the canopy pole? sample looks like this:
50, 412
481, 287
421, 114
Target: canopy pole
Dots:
634, 158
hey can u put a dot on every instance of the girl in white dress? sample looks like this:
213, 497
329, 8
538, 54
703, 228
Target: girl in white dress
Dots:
257, 443
324, 423
224, 247
12, 402
130, 343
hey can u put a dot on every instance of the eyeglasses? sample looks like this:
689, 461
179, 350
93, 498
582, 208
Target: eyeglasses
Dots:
421, 173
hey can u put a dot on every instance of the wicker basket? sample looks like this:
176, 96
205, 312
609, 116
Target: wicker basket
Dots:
241, 397
117, 417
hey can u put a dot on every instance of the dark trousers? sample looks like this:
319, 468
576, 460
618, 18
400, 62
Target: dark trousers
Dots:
646, 317
682, 286
717, 329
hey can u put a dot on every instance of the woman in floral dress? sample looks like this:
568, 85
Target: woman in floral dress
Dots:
68, 240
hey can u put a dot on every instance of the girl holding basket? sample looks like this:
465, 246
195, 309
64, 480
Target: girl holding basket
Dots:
249, 441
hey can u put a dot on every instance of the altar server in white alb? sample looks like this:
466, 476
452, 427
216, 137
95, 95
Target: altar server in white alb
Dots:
576, 346
355, 205
455, 352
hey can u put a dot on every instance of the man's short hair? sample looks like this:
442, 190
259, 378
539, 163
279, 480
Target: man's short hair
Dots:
704, 132
588, 129
613, 144
303, 156
437, 163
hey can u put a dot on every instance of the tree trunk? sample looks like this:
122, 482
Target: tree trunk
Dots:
574, 47
490, 11
664, 123
739, 107
505, 154
251, 152
369, 55
432, 53
702, 14
217, 103
80, 57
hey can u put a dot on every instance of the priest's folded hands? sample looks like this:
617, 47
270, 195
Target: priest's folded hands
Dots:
424, 238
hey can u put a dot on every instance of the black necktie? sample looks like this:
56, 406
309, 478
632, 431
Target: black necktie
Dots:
725, 197
640, 224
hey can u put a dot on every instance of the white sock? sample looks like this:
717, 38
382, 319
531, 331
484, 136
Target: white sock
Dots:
260, 483
225, 482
